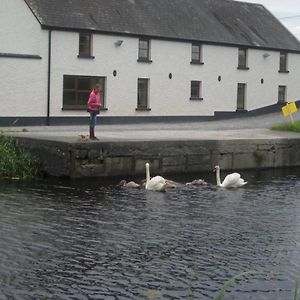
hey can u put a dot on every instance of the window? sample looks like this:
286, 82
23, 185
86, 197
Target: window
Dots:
195, 90
241, 95
283, 62
144, 50
76, 90
85, 45
242, 60
196, 54
281, 93
142, 95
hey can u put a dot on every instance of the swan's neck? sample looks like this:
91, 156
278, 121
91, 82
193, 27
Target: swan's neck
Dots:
218, 177
147, 174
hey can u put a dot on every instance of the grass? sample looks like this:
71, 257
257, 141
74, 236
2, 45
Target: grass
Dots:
287, 126
297, 293
229, 283
14, 161
232, 280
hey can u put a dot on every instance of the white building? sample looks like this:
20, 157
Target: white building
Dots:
157, 60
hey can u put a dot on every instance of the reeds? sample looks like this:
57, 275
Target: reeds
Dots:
14, 161
229, 283
232, 280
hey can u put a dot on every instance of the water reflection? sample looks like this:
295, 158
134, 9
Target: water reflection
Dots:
95, 240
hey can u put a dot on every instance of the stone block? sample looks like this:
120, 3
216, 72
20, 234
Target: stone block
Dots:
140, 165
118, 165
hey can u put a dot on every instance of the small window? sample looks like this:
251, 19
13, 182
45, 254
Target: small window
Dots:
196, 54
195, 90
241, 96
85, 45
242, 60
142, 95
281, 94
283, 62
76, 90
144, 50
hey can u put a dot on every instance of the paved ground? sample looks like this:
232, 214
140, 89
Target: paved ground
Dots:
236, 128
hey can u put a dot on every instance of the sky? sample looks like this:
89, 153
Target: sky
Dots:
287, 11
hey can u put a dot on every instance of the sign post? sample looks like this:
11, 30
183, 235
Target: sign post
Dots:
289, 109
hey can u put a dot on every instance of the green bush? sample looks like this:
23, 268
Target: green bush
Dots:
14, 161
287, 126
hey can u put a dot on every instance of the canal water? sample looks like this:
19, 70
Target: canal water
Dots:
91, 239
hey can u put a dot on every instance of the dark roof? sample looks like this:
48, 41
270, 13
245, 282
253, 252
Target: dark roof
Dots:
211, 21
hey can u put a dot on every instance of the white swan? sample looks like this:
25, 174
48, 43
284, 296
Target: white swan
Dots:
130, 184
156, 183
232, 180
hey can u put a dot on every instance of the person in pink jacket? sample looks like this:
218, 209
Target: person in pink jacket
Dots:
93, 107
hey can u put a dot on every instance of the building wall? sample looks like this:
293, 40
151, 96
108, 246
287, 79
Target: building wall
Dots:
24, 81
171, 96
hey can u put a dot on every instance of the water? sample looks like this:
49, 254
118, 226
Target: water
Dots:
63, 239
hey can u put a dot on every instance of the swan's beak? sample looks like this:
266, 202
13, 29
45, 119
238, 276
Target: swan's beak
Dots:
214, 170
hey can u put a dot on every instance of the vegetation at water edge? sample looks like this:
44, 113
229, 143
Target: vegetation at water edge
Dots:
287, 126
15, 162
232, 280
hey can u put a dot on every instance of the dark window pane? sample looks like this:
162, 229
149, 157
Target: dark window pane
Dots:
143, 53
143, 44
281, 93
283, 61
196, 52
242, 58
144, 49
195, 89
82, 98
69, 82
69, 97
85, 40
84, 84
142, 93
241, 96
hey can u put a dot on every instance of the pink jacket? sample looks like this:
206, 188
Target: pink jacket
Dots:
94, 102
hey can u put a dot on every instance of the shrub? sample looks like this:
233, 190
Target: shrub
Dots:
14, 161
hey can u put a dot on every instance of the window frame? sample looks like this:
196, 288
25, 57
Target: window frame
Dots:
197, 53
85, 47
196, 85
145, 94
283, 62
243, 58
77, 91
244, 96
283, 100
141, 49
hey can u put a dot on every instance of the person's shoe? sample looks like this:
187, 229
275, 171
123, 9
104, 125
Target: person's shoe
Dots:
94, 138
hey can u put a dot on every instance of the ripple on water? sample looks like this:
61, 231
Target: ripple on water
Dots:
73, 240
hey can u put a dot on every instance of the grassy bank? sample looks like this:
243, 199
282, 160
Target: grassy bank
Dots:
14, 161
287, 126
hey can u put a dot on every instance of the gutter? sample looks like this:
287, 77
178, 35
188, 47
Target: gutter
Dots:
49, 78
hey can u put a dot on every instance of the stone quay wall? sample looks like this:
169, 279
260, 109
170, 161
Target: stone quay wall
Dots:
108, 159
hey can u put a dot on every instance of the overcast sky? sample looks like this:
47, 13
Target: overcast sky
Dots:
287, 11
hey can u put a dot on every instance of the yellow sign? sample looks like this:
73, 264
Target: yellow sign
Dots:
289, 109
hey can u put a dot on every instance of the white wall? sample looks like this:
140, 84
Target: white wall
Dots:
23, 81
171, 96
